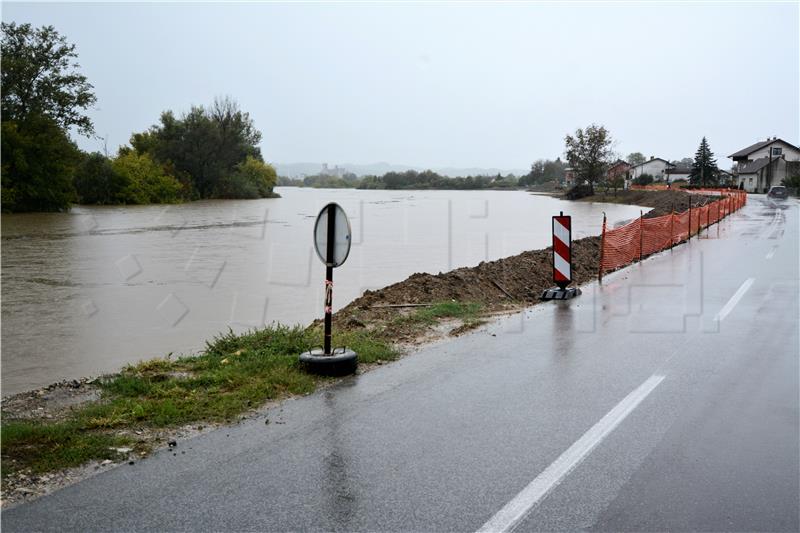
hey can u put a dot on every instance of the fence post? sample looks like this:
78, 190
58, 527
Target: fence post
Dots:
708, 208
672, 227
689, 236
641, 234
602, 249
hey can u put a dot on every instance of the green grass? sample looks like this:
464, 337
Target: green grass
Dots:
428, 316
43, 447
236, 372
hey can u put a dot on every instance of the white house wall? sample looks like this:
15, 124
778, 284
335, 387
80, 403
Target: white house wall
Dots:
789, 153
654, 168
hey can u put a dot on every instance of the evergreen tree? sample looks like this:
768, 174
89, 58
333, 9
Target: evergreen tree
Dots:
704, 168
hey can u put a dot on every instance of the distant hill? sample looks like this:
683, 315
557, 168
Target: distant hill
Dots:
297, 170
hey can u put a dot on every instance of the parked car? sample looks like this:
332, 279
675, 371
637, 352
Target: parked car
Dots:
778, 191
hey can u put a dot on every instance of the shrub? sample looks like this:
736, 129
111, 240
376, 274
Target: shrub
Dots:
96, 181
147, 182
252, 179
644, 179
579, 191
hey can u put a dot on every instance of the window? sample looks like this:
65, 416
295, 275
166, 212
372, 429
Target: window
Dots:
777, 151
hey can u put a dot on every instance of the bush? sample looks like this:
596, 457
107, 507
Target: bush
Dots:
644, 179
96, 181
252, 179
147, 182
237, 186
579, 191
792, 182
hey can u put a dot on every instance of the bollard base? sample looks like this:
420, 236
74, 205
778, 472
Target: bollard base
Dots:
340, 363
556, 293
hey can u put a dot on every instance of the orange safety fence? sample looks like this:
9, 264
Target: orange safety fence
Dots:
644, 236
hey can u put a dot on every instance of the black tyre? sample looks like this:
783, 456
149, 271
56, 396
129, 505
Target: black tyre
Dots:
341, 363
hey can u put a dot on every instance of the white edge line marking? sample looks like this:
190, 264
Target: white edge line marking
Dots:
771, 253
725, 311
517, 509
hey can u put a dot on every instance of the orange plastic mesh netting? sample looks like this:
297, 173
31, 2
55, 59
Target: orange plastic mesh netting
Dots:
641, 237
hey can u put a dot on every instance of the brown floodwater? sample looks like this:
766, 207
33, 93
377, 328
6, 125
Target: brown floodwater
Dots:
86, 292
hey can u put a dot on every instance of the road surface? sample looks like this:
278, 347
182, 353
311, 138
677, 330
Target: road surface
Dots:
667, 399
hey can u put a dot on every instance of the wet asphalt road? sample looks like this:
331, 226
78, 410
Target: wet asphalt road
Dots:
445, 438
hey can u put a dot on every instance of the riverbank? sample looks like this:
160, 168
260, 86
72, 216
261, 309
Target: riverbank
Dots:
59, 434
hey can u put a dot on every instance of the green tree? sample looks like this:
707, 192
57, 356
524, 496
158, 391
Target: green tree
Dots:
40, 77
686, 162
38, 164
791, 181
96, 181
542, 171
252, 179
616, 182
205, 143
704, 169
147, 183
588, 153
635, 158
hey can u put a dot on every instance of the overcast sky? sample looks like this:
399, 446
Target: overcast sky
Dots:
445, 84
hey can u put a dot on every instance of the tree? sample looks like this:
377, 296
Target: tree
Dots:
635, 158
588, 153
252, 179
205, 143
704, 169
686, 162
542, 171
96, 181
147, 183
38, 163
617, 181
40, 77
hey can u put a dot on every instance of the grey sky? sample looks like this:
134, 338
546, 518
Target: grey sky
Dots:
445, 84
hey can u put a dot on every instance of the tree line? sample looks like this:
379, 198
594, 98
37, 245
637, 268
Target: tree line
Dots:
208, 152
409, 179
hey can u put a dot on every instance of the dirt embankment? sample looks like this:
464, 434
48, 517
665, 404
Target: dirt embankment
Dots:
504, 284
662, 202
501, 285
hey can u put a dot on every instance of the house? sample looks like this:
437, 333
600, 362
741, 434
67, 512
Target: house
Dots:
569, 177
618, 168
677, 173
655, 166
761, 174
763, 164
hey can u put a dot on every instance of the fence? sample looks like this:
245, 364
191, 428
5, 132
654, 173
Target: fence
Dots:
644, 236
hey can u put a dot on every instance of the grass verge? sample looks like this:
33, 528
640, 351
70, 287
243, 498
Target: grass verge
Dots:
467, 312
235, 373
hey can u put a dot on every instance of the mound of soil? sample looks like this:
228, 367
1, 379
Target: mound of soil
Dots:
662, 202
502, 284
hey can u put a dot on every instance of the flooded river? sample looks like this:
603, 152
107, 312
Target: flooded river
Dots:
88, 291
